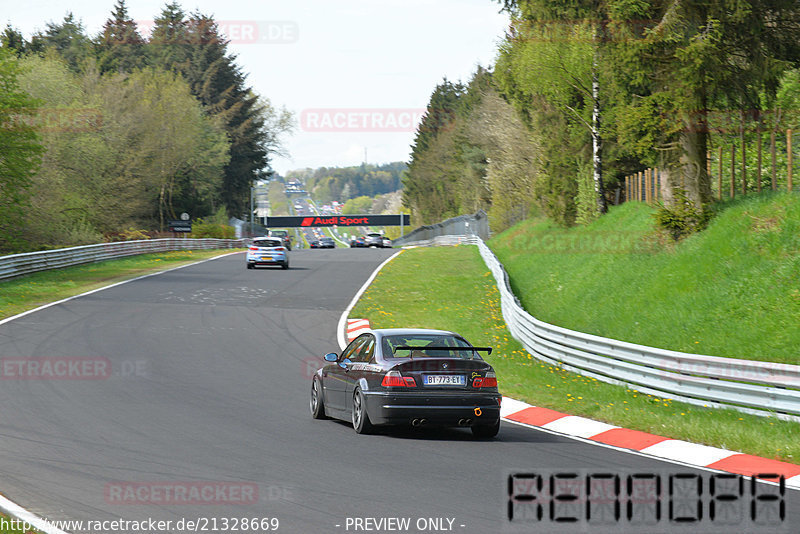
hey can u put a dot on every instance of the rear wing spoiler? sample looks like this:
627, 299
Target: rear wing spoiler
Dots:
487, 350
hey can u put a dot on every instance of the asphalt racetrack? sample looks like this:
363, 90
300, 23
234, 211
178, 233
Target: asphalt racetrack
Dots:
207, 394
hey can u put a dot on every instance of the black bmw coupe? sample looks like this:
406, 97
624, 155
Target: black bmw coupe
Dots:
408, 377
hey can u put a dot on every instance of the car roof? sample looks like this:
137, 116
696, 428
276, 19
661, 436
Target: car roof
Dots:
380, 332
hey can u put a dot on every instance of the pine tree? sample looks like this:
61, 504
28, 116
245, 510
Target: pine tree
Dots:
120, 48
169, 45
69, 39
12, 39
221, 86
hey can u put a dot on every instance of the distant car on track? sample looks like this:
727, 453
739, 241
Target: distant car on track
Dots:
411, 377
357, 242
323, 242
373, 240
285, 237
267, 251
387, 243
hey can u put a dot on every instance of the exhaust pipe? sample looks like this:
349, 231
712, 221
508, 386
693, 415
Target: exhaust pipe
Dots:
464, 422
415, 422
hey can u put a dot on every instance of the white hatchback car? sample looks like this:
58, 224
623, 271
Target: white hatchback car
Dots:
267, 251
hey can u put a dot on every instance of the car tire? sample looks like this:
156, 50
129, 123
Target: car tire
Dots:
361, 422
484, 431
250, 265
317, 403
285, 265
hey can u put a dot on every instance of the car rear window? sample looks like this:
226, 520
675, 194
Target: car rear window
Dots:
267, 243
421, 342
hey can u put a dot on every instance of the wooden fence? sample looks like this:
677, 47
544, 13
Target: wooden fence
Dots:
645, 186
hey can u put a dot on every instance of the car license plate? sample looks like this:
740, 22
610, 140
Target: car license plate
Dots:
266, 257
444, 380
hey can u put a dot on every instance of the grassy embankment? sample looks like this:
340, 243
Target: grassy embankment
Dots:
736, 280
27, 292
732, 290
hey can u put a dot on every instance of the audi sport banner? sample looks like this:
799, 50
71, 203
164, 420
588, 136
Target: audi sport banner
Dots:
338, 220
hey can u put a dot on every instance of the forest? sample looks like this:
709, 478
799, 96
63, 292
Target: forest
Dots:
586, 92
343, 183
112, 135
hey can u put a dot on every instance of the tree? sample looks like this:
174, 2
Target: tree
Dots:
69, 39
20, 150
12, 39
151, 152
562, 43
120, 48
253, 125
428, 186
358, 206
169, 46
512, 175
690, 57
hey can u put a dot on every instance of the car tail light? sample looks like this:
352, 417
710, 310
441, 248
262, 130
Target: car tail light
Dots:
280, 249
393, 379
253, 248
488, 381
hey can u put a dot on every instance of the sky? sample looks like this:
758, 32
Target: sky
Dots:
357, 74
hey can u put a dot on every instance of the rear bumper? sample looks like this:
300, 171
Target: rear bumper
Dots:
279, 260
437, 409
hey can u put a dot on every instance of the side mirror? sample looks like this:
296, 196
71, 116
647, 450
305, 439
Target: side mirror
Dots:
331, 357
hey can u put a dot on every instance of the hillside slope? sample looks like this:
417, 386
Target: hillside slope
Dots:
732, 290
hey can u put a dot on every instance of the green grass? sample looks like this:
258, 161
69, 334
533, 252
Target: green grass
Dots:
457, 292
27, 292
732, 290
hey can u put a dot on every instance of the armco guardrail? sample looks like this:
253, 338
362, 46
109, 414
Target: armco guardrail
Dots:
30, 262
477, 224
443, 240
761, 388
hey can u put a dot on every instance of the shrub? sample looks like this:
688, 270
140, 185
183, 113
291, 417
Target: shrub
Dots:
132, 234
683, 217
201, 229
